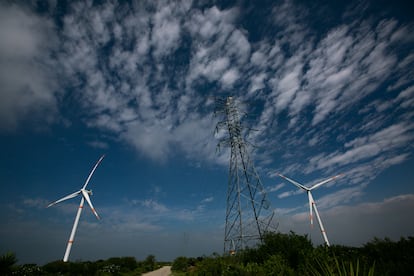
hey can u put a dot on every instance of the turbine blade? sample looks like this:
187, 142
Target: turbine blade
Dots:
93, 170
294, 182
64, 198
86, 196
311, 203
325, 181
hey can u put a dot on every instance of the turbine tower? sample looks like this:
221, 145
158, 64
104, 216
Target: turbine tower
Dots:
312, 203
85, 196
248, 212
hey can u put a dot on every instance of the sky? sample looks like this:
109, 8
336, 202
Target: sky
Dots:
327, 88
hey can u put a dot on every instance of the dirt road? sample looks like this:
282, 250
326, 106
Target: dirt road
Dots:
163, 271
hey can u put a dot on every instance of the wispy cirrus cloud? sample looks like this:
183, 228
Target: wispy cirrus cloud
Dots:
386, 140
290, 193
330, 96
318, 82
313, 80
158, 214
207, 199
124, 102
152, 205
144, 73
220, 48
275, 188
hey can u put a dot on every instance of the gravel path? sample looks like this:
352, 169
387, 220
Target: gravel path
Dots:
163, 271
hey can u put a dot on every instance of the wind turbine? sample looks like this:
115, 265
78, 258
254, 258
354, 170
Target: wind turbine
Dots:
312, 203
85, 196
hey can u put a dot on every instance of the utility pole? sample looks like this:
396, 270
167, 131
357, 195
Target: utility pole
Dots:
248, 212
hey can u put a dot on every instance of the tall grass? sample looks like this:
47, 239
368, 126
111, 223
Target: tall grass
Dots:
337, 268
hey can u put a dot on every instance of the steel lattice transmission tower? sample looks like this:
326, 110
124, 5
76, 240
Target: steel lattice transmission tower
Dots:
248, 214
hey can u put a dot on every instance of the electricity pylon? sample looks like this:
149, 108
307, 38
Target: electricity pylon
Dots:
248, 212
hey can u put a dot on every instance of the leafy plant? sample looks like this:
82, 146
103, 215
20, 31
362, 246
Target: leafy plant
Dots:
340, 268
7, 262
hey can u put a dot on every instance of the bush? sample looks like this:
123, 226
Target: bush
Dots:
180, 264
391, 258
291, 247
277, 265
279, 254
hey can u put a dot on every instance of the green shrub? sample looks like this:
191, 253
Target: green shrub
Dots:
391, 258
291, 247
277, 265
180, 264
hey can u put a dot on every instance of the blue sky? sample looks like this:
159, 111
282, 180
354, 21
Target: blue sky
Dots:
328, 88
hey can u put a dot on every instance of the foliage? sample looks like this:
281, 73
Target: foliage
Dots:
292, 254
149, 263
391, 258
332, 266
291, 247
7, 262
277, 265
279, 254
70, 268
180, 264
113, 266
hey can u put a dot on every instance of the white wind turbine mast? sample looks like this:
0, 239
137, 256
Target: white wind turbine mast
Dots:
85, 196
312, 203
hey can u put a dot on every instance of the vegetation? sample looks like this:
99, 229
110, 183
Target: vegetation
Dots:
7, 262
292, 254
121, 266
279, 254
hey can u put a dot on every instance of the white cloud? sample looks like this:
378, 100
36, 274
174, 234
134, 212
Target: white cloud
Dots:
238, 46
384, 141
39, 203
152, 212
342, 196
406, 97
287, 87
153, 205
287, 16
155, 104
151, 140
120, 68
275, 188
216, 42
166, 31
258, 58
207, 199
290, 193
257, 82
354, 225
28, 81
371, 219
229, 77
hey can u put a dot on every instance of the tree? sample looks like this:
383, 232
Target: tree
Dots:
291, 247
150, 263
180, 264
7, 262
391, 258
